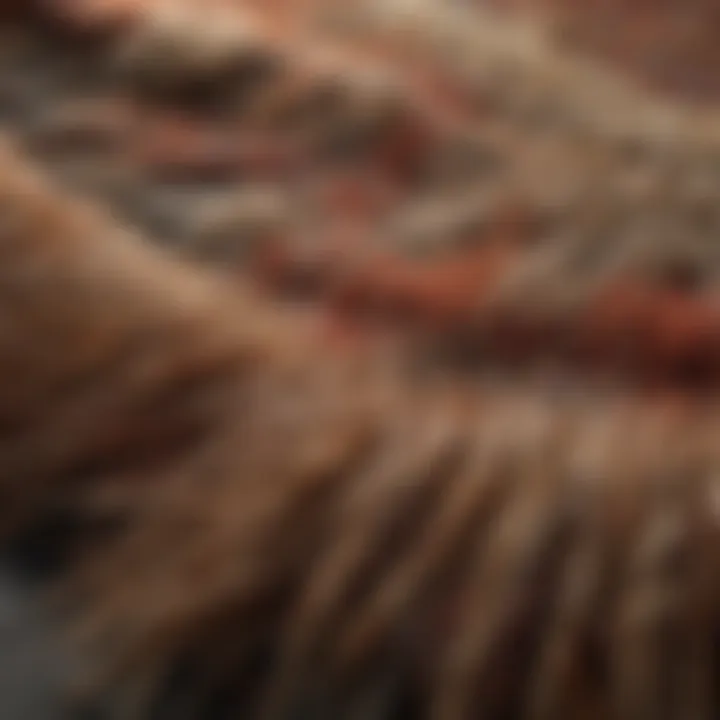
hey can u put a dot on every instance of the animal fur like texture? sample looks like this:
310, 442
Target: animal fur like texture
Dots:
237, 516
624, 219
280, 530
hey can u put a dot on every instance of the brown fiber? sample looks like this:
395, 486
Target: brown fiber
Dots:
259, 520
